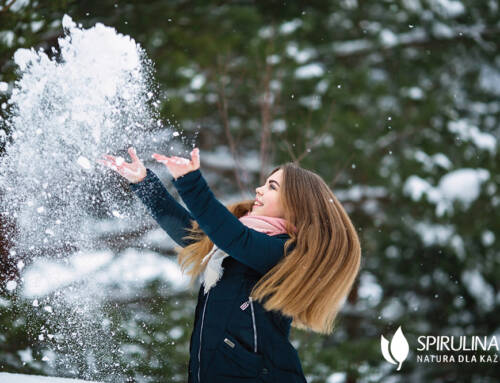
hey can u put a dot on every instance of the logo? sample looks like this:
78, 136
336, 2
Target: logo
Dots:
442, 349
397, 351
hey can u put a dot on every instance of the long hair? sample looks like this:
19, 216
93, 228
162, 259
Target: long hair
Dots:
311, 282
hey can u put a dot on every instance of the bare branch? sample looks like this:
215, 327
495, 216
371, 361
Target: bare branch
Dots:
339, 172
222, 107
319, 137
266, 117
290, 150
267, 108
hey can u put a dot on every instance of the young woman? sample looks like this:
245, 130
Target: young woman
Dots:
287, 258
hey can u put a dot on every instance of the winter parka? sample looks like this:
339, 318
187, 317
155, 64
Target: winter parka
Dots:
234, 339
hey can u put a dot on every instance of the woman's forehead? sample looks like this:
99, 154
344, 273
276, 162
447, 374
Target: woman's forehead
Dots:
276, 175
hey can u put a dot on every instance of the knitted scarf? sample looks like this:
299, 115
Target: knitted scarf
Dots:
261, 223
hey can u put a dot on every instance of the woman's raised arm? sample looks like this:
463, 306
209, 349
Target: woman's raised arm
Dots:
254, 249
170, 215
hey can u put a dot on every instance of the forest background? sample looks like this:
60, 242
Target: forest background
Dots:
394, 103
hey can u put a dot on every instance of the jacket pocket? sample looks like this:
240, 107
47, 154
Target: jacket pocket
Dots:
236, 360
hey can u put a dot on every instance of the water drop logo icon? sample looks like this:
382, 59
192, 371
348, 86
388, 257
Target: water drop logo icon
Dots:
398, 348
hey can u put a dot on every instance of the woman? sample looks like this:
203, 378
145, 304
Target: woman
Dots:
287, 258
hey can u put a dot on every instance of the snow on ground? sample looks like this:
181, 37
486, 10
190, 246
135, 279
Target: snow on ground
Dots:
18, 378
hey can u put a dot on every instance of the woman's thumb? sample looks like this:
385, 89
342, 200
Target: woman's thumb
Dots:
196, 156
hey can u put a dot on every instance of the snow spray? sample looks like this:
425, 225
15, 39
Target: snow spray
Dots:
94, 95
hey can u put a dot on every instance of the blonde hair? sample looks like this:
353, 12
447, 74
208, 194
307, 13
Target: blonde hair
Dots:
309, 284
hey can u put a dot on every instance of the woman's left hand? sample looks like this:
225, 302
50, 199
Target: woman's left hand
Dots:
178, 166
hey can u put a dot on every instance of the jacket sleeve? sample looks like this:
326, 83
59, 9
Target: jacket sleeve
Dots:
254, 249
170, 215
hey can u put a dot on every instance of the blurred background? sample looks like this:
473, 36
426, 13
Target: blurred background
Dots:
394, 103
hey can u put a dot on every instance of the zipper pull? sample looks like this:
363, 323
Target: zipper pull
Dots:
244, 305
231, 344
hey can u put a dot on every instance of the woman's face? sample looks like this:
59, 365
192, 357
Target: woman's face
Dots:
269, 197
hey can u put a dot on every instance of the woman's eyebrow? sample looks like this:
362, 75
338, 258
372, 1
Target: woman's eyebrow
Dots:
274, 181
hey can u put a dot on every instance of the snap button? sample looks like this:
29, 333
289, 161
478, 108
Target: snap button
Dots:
265, 370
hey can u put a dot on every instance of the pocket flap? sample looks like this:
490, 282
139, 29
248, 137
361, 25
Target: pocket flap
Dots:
244, 359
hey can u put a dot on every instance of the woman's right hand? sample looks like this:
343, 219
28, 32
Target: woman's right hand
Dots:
134, 172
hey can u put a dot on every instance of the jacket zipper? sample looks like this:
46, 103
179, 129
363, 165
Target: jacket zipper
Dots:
254, 327
201, 332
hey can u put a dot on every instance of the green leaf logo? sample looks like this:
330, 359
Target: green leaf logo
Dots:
398, 348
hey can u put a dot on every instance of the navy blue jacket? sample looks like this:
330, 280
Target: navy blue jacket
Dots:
234, 339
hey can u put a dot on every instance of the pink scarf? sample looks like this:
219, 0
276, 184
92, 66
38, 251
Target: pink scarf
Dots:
265, 224
214, 258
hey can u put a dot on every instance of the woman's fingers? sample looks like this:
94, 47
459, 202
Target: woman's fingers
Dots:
161, 158
115, 163
173, 160
119, 162
133, 154
195, 155
195, 158
108, 157
178, 166
109, 164
105, 162
129, 172
180, 160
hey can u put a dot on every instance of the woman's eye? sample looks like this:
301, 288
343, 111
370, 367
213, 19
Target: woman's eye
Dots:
273, 187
